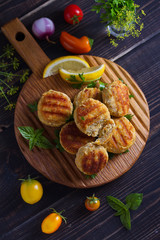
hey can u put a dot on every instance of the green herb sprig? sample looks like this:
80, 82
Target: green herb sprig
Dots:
35, 137
123, 15
77, 85
97, 83
90, 176
129, 116
133, 201
8, 60
33, 107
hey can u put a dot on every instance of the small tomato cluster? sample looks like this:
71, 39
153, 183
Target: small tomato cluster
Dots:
31, 192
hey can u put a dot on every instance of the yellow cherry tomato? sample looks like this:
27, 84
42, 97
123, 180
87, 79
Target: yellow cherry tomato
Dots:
31, 190
52, 222
92, 203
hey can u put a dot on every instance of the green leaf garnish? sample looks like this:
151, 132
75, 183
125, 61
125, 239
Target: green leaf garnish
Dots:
92, 84
131, 96
90, 176
82, 118
129, 116
126, 219
33, 107
35, 137
133, 201
111, 155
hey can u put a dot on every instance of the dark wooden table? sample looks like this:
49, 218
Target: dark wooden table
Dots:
141, 58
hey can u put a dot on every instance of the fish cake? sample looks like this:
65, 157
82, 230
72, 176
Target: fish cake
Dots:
90, 116
54, 108
71, 138
105, 132
123, 136
91, 158
94, 93
116, 97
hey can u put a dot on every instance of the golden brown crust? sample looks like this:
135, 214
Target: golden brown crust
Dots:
71, 138
91, 158
94, 93
105, 132
54, 108
123, 136
116, 97
90, 116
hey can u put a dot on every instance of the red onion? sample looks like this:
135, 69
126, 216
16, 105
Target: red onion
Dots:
42, 28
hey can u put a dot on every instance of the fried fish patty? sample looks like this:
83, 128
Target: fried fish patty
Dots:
91, 158
105, 132
54, 108
116, 97
90, 116
71, 138
123, 136
94, 93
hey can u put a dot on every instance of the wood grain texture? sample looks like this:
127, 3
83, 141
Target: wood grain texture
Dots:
60, 167
25, 45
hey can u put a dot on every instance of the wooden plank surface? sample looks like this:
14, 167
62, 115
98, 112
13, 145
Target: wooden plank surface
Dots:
140, 57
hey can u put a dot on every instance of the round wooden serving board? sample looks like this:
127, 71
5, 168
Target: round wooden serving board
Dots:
60, 166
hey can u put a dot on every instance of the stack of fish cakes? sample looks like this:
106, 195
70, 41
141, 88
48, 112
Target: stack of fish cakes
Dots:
93, 133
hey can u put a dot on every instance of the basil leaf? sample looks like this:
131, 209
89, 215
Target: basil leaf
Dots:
43, 142
33, 107
26, 131
38, 132
31, 143
116, 204
126, 219
135, 200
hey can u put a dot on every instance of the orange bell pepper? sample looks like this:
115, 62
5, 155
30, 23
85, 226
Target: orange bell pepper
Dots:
76, 45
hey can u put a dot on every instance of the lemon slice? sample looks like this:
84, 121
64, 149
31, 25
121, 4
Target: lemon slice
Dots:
89, 74
66, 62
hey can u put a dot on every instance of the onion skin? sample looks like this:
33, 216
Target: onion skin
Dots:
42, 28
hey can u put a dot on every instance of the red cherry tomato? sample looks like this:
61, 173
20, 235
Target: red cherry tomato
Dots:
73, 14
92, 203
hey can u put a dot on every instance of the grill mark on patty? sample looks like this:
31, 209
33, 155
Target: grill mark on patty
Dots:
72, 138
93, 162
122, 97
47, 114
128, 131
89, 121
114, 141
83, 110
121, 136
87, 162
54, 97
51, 105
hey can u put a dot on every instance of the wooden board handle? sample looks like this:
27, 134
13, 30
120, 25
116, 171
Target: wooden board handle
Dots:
25, 45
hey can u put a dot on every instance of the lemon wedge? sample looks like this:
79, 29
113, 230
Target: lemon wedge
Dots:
66, 62
85, 74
